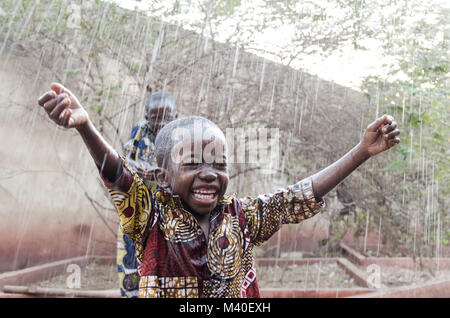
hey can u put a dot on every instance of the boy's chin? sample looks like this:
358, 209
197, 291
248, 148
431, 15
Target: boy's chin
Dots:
202, 207
202, 210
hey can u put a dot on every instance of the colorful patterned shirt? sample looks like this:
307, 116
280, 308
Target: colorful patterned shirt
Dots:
140, 147
175, 259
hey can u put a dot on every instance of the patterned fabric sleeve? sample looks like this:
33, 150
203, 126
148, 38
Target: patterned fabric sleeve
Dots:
138, 145
266, 213
129, 148
132, 201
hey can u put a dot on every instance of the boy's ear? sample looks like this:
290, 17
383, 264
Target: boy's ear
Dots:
162, 177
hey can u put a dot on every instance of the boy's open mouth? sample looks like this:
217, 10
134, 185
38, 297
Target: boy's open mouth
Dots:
205, 195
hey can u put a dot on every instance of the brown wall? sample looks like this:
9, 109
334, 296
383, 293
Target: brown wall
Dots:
44, 212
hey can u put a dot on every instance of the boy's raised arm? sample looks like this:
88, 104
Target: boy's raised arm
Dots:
378, 137
65, 110
142, 168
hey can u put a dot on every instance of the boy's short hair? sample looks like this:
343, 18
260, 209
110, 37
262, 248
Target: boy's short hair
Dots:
165, 142
159, 98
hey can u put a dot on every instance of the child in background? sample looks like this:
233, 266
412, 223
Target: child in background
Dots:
160, 109
191, 240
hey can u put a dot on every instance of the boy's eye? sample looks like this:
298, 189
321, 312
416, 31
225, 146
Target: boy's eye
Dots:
166, 118
220, 165
196, 164
191, 164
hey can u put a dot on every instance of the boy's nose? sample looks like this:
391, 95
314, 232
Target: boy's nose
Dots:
207, 174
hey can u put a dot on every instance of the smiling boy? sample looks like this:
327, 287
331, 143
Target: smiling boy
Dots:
191, 239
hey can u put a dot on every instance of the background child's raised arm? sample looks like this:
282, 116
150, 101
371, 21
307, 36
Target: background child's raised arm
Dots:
65, 110
379, 136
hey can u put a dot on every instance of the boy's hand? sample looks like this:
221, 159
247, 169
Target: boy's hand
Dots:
145, 173
380, 135
145, 170
63, 107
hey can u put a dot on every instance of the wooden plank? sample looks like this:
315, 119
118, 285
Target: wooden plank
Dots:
353, 254
312, 293
436, 289
287, 261
41, 272
401, 262
358, 275
61, 292
409, 262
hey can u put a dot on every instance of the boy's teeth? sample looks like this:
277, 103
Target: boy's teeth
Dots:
204, 191
203, 196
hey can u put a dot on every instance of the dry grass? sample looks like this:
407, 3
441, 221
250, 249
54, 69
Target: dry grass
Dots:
319, 275
93, 277
394, 276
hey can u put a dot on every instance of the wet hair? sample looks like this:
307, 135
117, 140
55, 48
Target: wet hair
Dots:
160, 98
165, 142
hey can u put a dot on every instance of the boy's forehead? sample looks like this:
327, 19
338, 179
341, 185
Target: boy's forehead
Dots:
200, 144
207, 134
207, 137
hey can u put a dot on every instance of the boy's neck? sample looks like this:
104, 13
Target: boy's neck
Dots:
204, 224
203, 220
